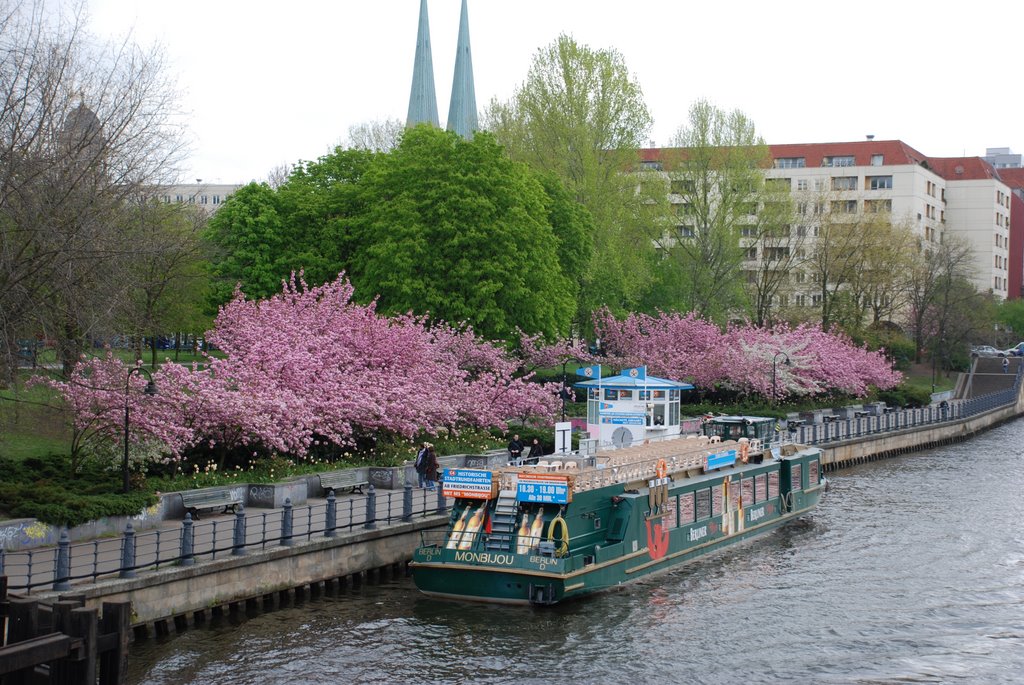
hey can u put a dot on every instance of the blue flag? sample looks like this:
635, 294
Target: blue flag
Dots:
639, 373
592, 372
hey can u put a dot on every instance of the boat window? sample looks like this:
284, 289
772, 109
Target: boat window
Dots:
645, 394
794, 479
773, 484
812, 473
716, 500
703, 503
656, 415
659, 394
625, 394
611, 394
594, 394
687, 512
669, 508
673, 414
761, 487
593, 413
748, 491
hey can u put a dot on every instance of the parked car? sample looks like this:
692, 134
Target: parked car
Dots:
1015, 351
986, 351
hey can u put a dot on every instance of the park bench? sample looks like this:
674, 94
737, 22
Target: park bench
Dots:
336, 480
194, 500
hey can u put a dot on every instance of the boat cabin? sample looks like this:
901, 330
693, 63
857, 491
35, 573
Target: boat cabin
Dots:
736, 427
629, 408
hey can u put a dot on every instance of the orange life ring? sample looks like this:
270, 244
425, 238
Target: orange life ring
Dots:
661, 470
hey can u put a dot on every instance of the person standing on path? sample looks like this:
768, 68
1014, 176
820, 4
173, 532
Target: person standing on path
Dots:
515, 451
1006, 365
431, 466
536, 452
421, 465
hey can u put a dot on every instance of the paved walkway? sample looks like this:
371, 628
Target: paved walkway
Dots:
213, 538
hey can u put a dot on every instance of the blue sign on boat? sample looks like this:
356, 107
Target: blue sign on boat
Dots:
542, 488
717, 461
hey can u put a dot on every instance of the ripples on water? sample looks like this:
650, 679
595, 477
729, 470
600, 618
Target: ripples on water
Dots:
910, 571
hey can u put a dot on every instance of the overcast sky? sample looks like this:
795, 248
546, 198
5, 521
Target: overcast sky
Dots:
270, 83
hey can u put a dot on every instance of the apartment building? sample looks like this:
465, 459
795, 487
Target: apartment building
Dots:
935, 197
206, 196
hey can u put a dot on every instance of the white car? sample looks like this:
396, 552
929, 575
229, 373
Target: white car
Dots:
986, 351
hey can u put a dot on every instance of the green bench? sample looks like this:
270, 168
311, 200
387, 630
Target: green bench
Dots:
194, 500
335, 480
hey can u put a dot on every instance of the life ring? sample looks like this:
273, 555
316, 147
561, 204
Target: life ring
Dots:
563, 547
661, 470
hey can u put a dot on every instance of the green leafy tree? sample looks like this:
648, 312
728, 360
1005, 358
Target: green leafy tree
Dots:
725, 214
581, 116
461, 232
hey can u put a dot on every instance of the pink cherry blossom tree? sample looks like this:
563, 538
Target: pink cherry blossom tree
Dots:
686, 347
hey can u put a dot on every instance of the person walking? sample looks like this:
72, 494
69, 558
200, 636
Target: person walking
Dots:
515, 451
536, 452
1006, 365
421, 465
431, 468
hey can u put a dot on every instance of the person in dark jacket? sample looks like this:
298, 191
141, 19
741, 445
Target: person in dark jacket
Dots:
515, 451
536, 452
421, 465
431, 467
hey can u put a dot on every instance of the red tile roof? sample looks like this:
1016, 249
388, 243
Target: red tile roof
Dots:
1013, 178
894, 152
962, 168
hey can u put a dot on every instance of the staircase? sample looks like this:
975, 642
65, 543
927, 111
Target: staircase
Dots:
503, 522
986, 376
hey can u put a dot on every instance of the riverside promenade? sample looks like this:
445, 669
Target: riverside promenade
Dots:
181, 572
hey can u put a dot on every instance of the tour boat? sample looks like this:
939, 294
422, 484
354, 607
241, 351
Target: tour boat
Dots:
577, 524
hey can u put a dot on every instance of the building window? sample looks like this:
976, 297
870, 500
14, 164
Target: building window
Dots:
819, 184
878, 183
751, 253
877, 206
844, 206
844, 183
801, 184
801, 231
801, 300
686, 232
748, 231
178, 198
801, 277
778, 184
216, 199
202, 199
776, 253
801, 207
790, 163
839, 160
681, 187
877, 160
651, 166
815, 300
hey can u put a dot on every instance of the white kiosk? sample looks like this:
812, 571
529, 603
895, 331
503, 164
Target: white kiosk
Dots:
632, 407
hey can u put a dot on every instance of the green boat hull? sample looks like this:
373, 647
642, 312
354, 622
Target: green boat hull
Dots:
625, 539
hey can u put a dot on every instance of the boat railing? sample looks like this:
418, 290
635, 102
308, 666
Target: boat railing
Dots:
625, 465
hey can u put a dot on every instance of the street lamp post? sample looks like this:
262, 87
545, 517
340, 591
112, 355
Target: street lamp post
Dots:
150, 390
775, 361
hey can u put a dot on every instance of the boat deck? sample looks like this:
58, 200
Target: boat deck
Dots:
682, 455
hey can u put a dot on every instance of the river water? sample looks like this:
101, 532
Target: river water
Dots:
910, 570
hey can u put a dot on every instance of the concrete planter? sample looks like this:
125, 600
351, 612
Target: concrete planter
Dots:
273, 495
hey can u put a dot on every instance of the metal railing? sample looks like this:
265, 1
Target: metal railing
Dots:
903, 419
58, 567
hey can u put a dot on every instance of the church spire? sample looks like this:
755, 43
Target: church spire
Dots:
462, 110
422, 100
